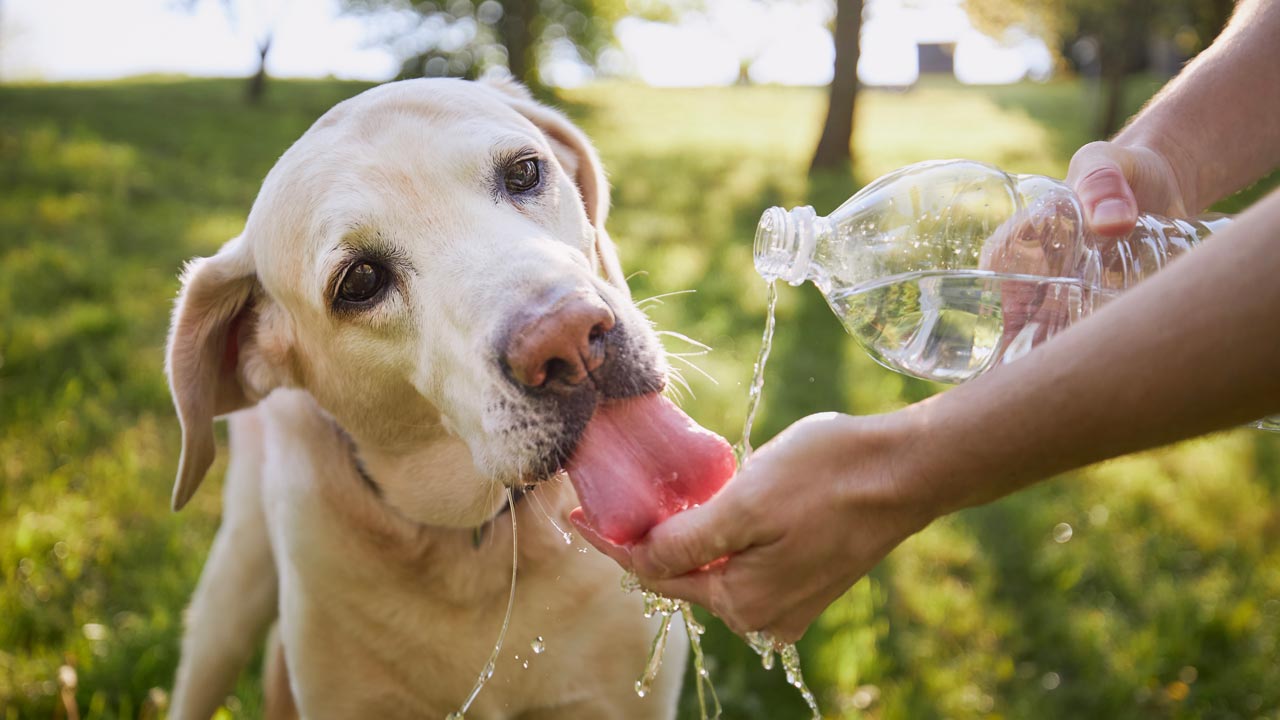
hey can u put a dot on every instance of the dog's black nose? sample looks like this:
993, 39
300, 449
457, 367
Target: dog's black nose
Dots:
560, 344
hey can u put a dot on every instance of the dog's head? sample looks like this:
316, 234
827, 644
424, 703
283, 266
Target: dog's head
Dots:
429, 261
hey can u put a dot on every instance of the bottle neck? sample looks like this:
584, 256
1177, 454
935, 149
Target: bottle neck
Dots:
785, 243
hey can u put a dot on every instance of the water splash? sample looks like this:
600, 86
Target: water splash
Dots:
668, 609
487, 671
766, 647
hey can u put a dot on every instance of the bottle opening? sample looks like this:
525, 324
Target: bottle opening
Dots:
784, 244
774, 247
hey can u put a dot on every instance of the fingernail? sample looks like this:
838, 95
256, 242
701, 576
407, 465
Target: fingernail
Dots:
1112, 211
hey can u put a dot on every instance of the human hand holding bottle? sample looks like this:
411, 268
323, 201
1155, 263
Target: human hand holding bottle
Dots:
1114, 182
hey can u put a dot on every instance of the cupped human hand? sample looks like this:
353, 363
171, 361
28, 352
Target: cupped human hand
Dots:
1117, 181
811, 512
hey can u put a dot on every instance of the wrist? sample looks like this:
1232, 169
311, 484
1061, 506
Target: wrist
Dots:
904, 478
960, 450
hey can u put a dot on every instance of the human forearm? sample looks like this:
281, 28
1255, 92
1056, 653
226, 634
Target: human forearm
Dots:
1218, 122
1192, 350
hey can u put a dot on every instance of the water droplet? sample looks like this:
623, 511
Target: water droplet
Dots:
641, 690
582, 550
1062, 533
525, 664
455, 716
1098, 515
865, 695
538, 646
568, 539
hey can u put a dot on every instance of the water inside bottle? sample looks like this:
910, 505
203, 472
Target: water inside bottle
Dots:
951, 325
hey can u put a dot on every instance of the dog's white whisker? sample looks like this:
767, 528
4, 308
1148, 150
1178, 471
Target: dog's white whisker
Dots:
657, 299
675, 394
679, 386
691, 364
686, 338
537, 501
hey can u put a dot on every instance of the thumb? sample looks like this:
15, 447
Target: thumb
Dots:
620, 554
693, 539
1097, 175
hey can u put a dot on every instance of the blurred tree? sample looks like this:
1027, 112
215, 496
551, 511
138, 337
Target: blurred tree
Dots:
833, 151
464, 38
263, 17
1121, 32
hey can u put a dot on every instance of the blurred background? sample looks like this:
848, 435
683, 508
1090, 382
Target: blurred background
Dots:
134, 135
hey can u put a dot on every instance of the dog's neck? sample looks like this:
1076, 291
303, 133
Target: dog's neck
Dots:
516, 495
436, 484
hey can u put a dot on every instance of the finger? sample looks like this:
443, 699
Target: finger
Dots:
693, 539
792, 624
694, 587
1098, 177
618, 553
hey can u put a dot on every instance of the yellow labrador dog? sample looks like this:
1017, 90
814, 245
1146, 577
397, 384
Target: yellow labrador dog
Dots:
423, 310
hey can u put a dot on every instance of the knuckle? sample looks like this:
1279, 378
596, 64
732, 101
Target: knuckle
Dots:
1091, 158
683, 552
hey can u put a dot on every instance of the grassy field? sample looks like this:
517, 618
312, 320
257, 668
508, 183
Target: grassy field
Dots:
1165, 601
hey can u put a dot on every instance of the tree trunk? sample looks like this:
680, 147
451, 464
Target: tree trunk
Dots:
1122, 52
833, 149
258, 83
517, 36
1113, 74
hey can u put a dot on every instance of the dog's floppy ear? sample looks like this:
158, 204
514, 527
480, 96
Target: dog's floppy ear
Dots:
212, 322
579, 159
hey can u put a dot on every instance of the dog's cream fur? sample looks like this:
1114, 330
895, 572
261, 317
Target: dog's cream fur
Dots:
384, 606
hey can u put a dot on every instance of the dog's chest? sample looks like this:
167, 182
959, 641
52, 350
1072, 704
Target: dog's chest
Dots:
372, 626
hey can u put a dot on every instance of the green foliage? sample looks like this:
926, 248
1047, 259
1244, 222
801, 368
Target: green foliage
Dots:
462, 38
1191, 24
1165, 602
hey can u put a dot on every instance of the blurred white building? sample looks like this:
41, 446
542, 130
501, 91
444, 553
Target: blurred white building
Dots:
789, 43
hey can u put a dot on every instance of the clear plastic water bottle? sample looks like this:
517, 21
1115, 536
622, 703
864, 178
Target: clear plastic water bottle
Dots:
943, 270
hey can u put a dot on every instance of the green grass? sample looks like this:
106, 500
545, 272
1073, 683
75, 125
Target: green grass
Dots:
1164, 603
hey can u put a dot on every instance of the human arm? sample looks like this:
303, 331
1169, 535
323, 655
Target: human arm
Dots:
1211, 131
821, 504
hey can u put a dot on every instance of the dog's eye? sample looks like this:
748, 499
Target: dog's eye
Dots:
522, 176
363, 281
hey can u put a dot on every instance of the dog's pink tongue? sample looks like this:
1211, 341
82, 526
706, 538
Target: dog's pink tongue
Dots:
642, 460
